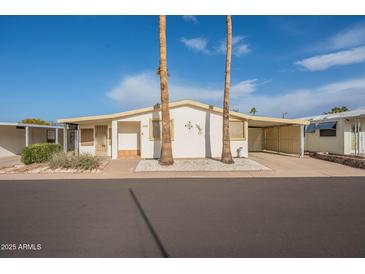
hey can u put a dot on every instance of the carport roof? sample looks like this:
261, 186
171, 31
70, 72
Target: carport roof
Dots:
30, 125
258, 121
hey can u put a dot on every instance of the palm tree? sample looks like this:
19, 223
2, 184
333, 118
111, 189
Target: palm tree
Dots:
253, 111
226, 151
166, 149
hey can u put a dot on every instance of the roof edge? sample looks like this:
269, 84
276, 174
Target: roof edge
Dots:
178, 104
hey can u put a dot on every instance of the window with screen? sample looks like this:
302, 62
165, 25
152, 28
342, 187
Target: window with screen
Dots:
51, 136
236, 129
87, 136
327, 129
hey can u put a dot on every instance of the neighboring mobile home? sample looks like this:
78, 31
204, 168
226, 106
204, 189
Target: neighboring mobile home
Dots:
339, 133
15, 136
196, 132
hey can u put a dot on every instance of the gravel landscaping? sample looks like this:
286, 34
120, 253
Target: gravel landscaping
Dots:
241, 164
43, 168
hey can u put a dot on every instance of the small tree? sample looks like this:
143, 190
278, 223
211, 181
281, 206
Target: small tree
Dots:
253, 111
337, 110
35, 121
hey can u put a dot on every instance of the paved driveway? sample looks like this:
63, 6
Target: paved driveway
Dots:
251, 217
9, 161
280, 165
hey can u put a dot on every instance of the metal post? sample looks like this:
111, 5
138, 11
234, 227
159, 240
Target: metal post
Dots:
114, 140
65, 139
77, 140
26, 136
358, 137
279, 139
56, 135
301, 141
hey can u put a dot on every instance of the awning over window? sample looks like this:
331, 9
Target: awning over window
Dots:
327, 125
311, 128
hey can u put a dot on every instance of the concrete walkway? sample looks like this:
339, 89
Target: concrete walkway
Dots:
280, 165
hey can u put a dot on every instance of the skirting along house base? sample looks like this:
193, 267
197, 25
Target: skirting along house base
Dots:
196, 132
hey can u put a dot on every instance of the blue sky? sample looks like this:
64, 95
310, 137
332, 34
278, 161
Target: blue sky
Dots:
64, 66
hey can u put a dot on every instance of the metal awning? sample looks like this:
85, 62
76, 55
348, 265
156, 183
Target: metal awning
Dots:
327, 125
311, 128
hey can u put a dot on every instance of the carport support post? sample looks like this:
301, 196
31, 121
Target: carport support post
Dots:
77, 139
301, 141
65, 139
114, 139
26, 136
56, 135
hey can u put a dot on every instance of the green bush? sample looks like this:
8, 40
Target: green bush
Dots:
81, 161
39, 153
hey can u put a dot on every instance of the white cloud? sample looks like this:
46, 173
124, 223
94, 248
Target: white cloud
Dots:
307, 102
325, 61
198, 44
144, 89
239, 48
243, 88
350, 37
190, 18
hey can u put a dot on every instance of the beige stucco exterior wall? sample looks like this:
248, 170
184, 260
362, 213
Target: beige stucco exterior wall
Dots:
332, 144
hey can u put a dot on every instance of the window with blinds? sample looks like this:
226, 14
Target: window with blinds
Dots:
87, 137
236, 130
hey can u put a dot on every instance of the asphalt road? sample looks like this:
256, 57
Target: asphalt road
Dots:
258, 217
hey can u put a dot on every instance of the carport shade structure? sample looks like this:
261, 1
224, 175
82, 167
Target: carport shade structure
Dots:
27, 128
280, 135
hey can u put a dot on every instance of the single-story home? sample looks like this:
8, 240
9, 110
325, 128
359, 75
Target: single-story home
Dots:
339, 133
196, 132
15, 136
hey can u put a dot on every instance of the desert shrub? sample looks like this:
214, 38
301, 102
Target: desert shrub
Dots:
85, 162
82, 161
39, 153
59, 160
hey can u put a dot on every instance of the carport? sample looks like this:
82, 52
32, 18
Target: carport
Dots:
285, 136
15, 136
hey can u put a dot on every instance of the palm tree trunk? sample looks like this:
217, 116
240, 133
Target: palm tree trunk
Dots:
226, 151
166, 149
